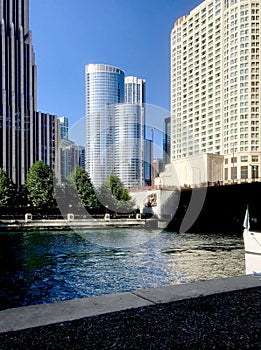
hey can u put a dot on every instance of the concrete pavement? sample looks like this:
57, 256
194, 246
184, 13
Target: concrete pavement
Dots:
46, 314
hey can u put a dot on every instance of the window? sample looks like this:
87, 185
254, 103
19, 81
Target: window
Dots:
244, 172
234, 173
254, 158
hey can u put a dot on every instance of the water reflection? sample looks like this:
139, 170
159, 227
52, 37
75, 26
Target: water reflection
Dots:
52, 266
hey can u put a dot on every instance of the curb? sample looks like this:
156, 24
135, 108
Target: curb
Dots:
44, 314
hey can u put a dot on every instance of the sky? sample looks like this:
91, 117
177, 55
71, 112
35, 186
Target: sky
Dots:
133, 35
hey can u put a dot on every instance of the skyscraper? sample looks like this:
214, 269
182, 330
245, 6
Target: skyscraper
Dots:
24, 137
166, 140
215, 86
115, 108
64, 127
104, 90
71, 155
130, 133
135, 90
128, 161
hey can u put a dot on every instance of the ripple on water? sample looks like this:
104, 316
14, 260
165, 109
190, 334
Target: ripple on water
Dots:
52, 266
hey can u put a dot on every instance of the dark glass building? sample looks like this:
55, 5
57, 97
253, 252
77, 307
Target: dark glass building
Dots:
166, 141
25, 134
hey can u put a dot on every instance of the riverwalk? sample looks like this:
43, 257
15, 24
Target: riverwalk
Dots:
217, 314
73, 224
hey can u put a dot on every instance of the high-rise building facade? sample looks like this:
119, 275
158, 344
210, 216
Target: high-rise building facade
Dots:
215, 86
130, 133
166, 140
72, 155
25, 134
46, 142
104, 90
128, 161
115, 125
64, 127
135, 90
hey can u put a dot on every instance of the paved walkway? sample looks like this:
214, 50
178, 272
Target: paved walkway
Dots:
216, 314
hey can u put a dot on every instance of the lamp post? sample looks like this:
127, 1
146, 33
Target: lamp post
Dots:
233, 162
254, 172
151, 156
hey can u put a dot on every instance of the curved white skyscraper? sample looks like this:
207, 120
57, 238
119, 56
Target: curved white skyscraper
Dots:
128, 144
104, 90
115, 125
130, 126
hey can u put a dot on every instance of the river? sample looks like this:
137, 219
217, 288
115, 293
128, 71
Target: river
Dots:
39, 267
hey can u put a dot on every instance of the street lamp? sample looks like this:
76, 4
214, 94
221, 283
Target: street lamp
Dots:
253, 172
233, 162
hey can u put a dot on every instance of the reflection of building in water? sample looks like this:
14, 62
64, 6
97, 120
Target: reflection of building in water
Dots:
193, 256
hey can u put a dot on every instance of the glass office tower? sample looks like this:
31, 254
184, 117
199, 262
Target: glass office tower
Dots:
135, 92
64, 128
166, 140
25, 134
104, 90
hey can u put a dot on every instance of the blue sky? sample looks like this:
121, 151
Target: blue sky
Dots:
133, 35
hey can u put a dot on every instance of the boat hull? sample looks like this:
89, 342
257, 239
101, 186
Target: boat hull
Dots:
252, 242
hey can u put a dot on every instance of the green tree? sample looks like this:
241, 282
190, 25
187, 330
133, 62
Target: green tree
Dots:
114, 196
8, 192
81, 181
39, 185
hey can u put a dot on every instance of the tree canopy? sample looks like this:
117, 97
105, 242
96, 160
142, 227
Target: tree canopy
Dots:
81, 181
8, 192
39, 185
114, 196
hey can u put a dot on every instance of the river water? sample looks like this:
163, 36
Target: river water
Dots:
39, 267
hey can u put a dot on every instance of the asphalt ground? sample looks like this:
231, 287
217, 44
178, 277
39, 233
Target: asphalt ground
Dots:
230, 320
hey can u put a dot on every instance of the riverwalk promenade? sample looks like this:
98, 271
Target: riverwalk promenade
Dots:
214, 314
71, 223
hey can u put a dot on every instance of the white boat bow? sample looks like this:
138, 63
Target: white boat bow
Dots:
252, 242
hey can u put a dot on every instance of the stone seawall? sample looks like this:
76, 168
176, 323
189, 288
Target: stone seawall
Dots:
34, 225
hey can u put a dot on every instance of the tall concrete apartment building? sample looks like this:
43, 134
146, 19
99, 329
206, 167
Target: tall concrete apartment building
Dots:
215, 86
25, 134
114, 128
